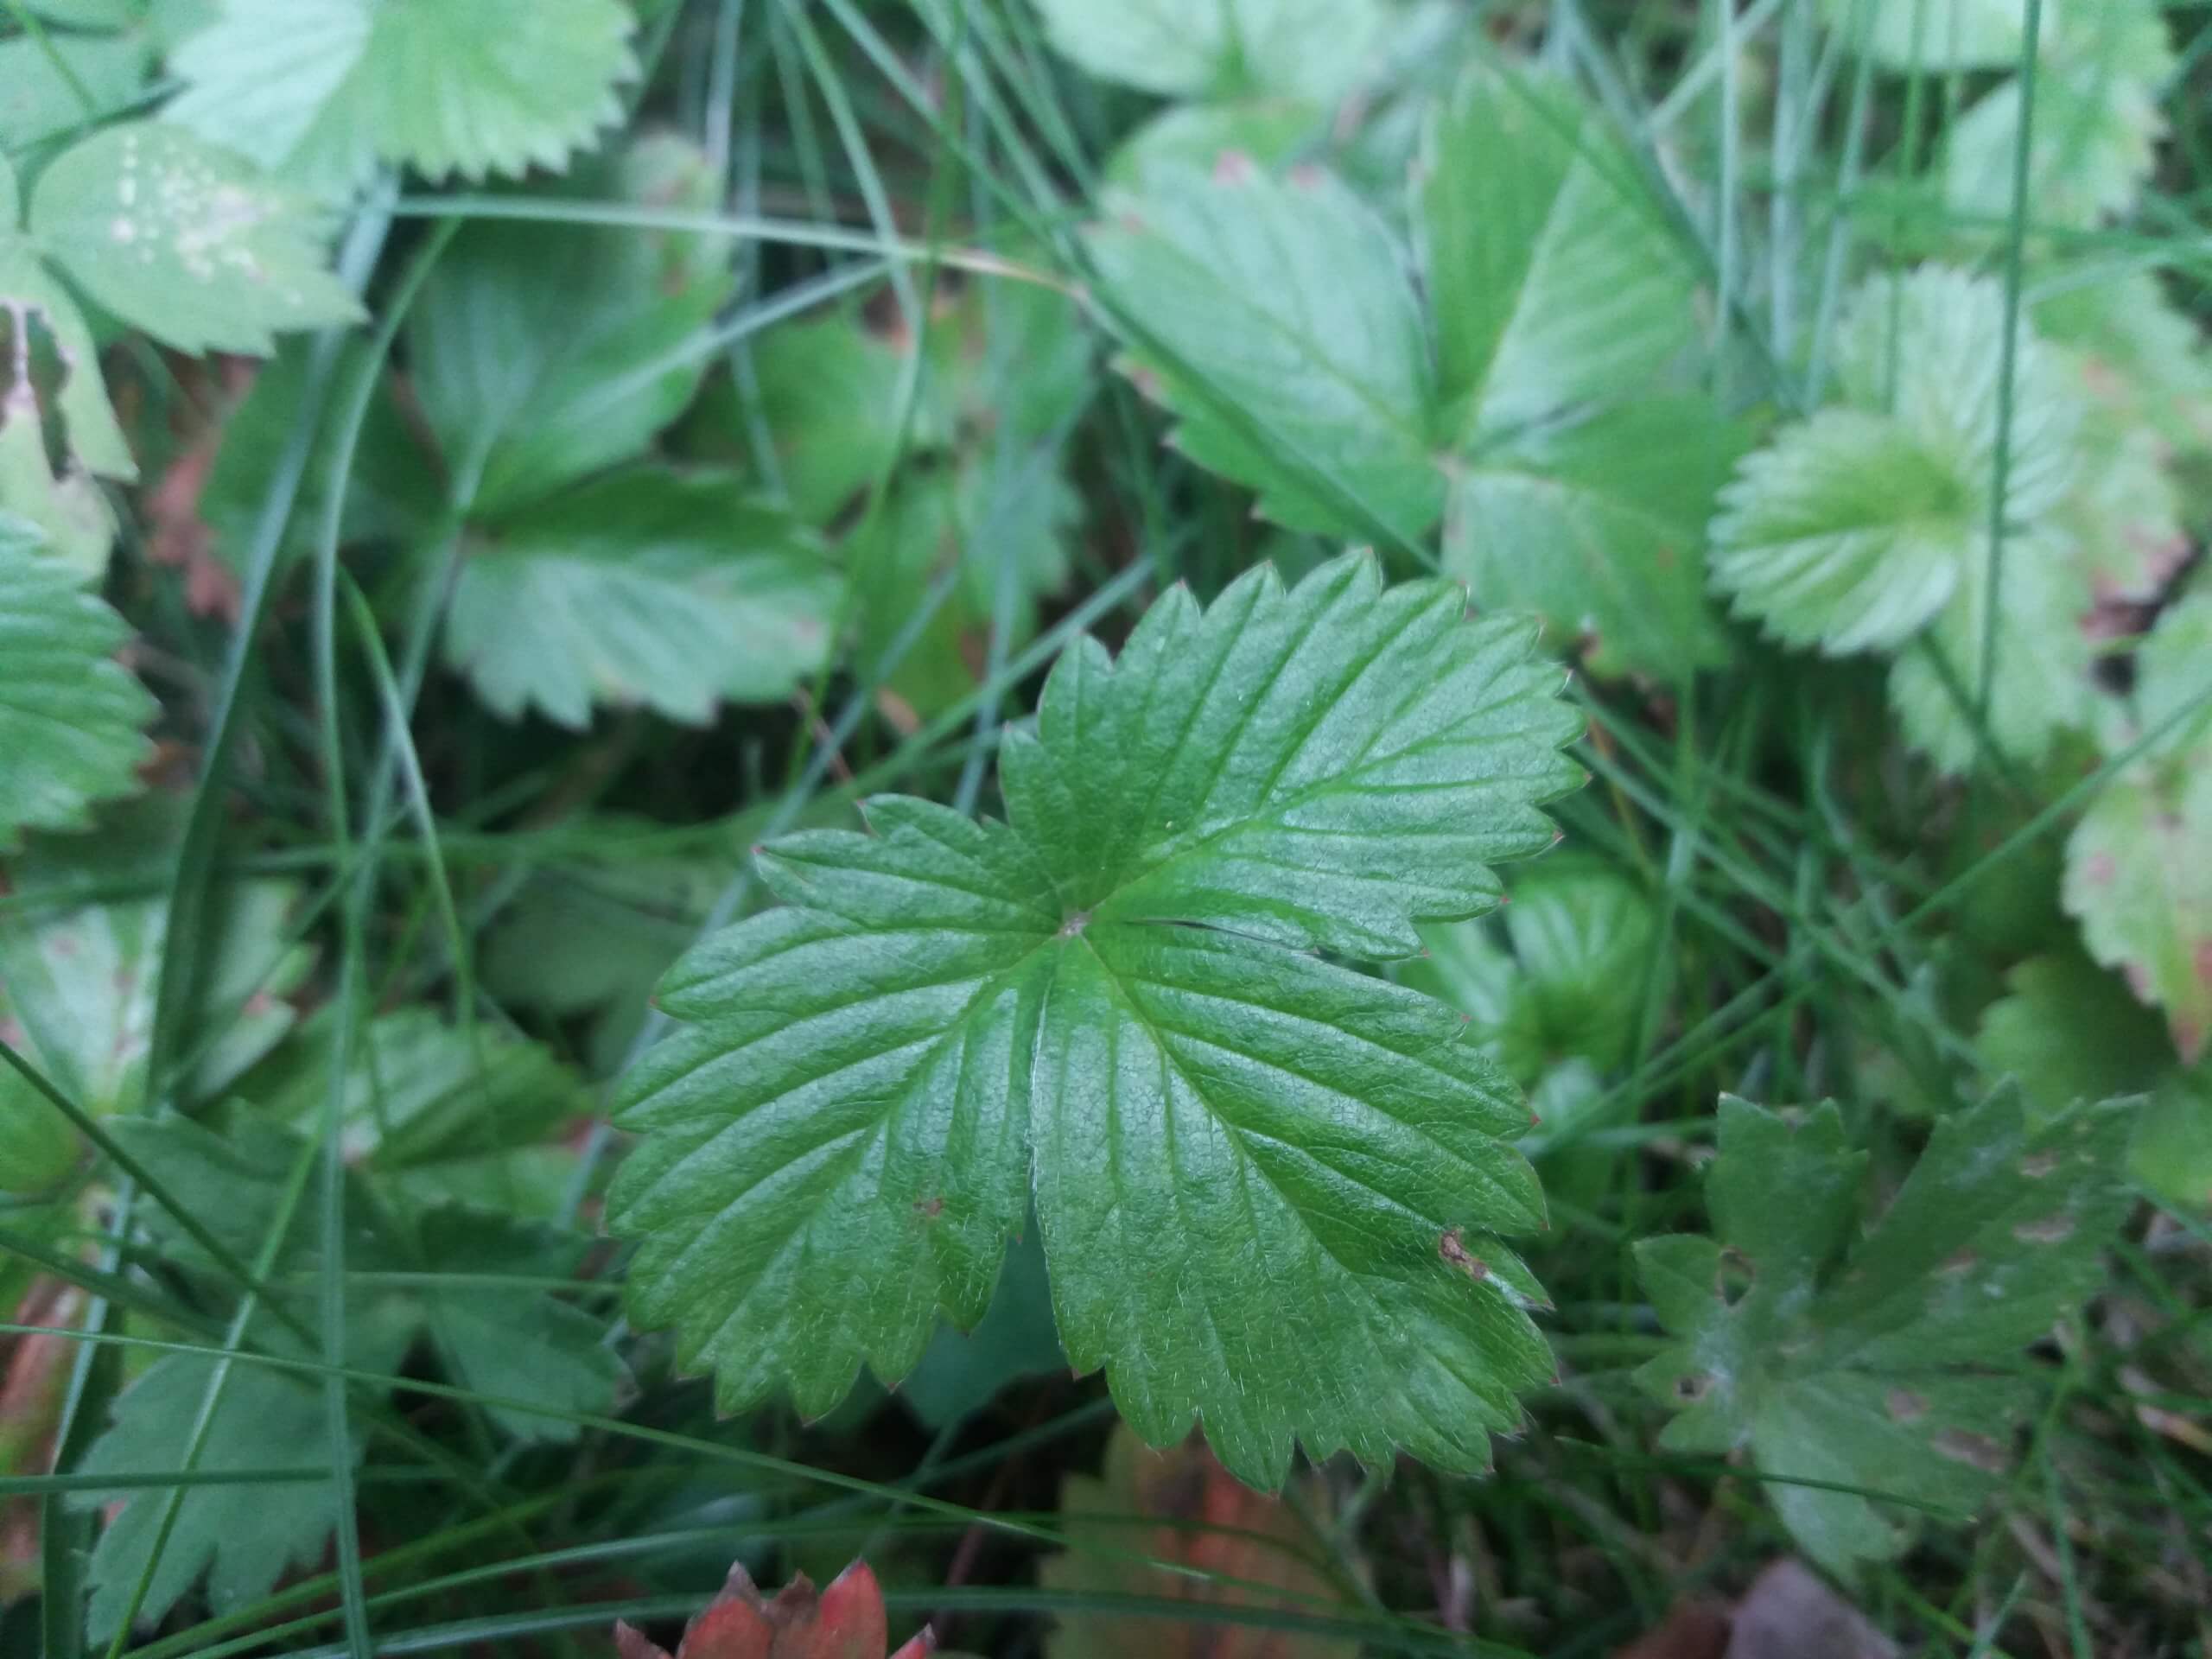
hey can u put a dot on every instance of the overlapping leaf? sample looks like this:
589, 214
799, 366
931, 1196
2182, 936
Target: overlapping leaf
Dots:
1267, 1185
72, 718
1306, 48
1893, 1374
318, 91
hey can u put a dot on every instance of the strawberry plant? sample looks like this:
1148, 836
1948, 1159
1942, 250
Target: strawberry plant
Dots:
1289, 827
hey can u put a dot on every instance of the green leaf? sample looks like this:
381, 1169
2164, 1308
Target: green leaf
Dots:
1895, 1371
2138, 880
1267, 1185
1555, 276
1932, 36
318, 90
1278, 324
241, 1538
72, 718
828, 397
645, 587
2097, 124
37, 100
2138, 353
1868, 524
186, 241
1220, 48
1558, 973
969, 518
1270, 131
1599, 527
2171, 1155
543, 354
2068, 1031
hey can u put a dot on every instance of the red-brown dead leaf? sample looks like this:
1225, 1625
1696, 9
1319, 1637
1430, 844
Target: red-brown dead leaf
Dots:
846, 1621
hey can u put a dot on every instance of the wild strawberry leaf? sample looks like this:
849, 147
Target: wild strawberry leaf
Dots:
1892, 1368
72, 718
1281, 330
319, 91
186, 241
40, 82
1267, 1185
642, 588
1220, 48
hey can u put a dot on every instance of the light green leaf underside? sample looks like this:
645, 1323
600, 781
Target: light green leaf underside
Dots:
541, 354
1300, 358
189, 242
1552, 272
1255, 1173
2138, 878
37, 100
72, 718
1219, 49
646, 588
1599, 527
318, 90
1894, 1370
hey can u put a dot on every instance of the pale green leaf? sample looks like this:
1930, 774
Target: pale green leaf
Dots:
1554, 277
1267, 1185
2138, 878
241, 1538
1598, 526
646, 588
543, 353
2172, 1152
319, 91
1558, 973
1300, 359
37, 100
1894, 1370
2096, 127
1269, 132
1220, 48
31, 298
2040, 683
190, 242
2067, 1032
2138, 353
1934, 36
72, 718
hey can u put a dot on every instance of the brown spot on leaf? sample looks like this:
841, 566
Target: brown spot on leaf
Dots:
929, 1209
1234, 167
2100, 869
1976, 1451
1906, 1407
1453, 1249
2051, 1230
2036, 1165
1964, 1261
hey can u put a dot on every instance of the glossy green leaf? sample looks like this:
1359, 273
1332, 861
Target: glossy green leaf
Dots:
72, 718
1219, 48
186, 241
543, 353
1300, 359
319, 91
1893, 1371
1267, 1185
645, 587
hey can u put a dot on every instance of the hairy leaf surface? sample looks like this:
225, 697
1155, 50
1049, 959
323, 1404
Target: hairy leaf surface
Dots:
1265, 1184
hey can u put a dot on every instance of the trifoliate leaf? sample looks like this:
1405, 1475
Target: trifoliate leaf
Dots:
1932, 35
318, 90
1300, 361
186, 241
39, 101
1559, 972
1201, 1541
1866, 525
2096, 122
1895, 1371
241, 1537
1554, 275
1599, 527
1267, 1185
1311, 49
644, 588
544, 353
72, 718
